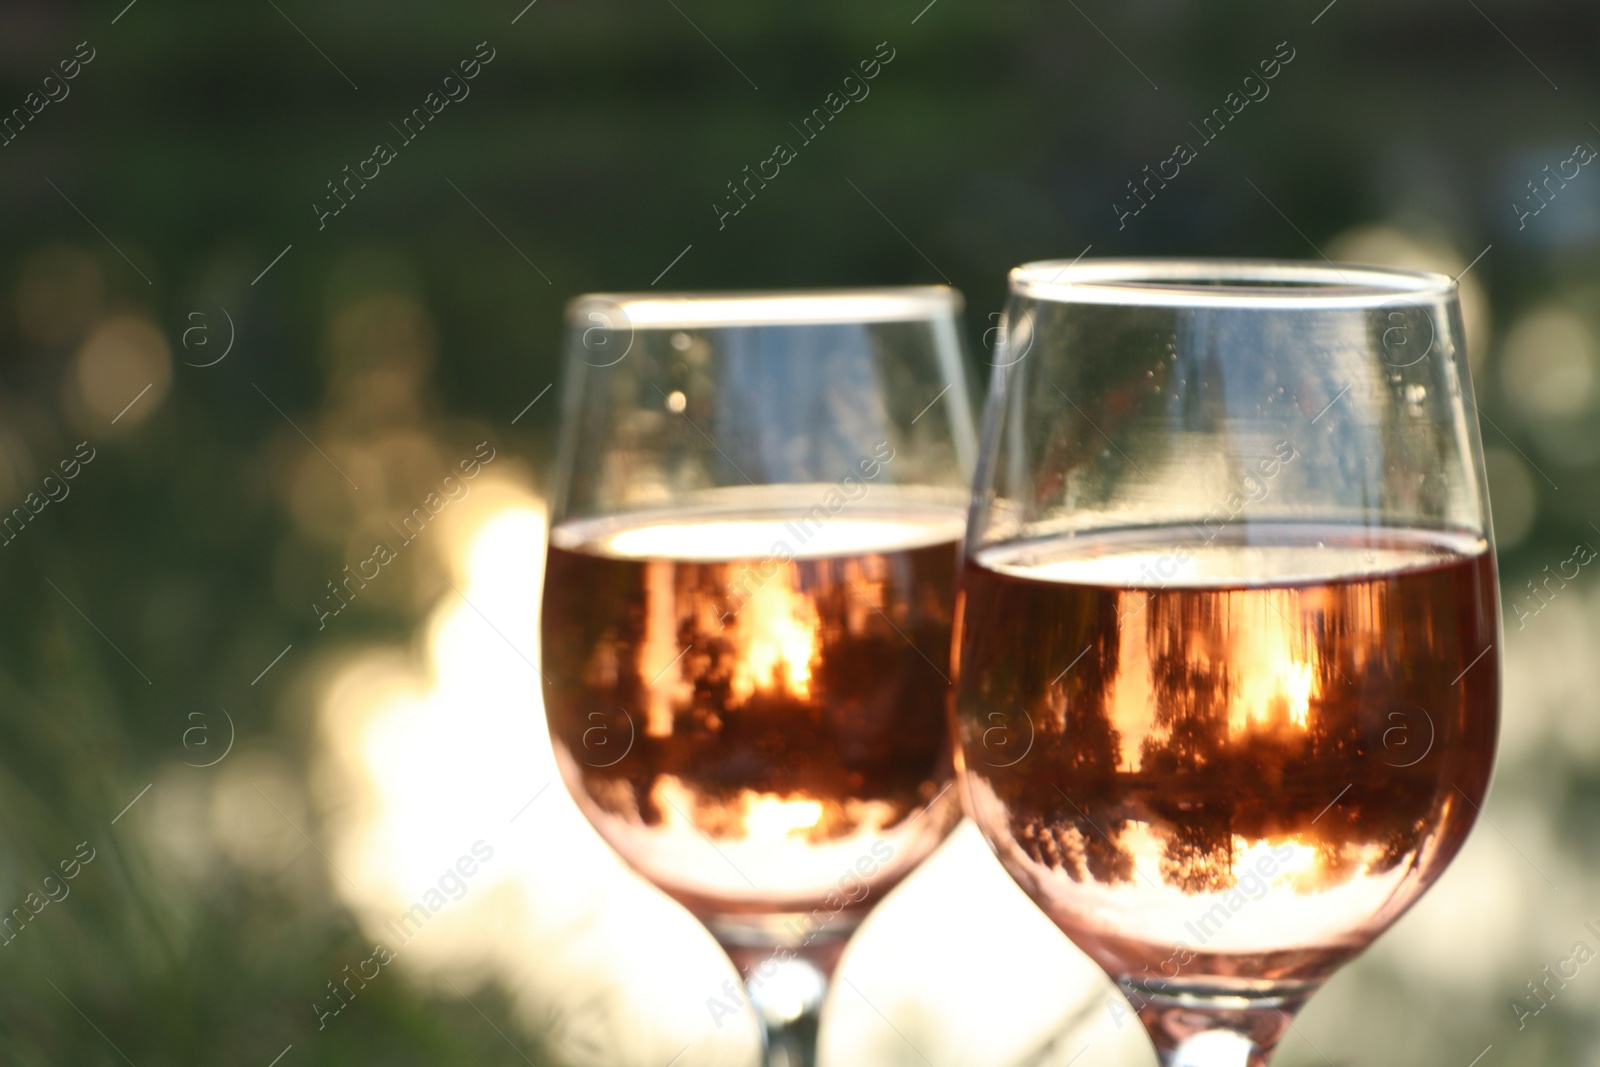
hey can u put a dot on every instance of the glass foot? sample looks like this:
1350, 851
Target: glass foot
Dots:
1205, 1026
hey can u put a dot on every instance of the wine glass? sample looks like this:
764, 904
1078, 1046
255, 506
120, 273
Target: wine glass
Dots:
748, 604
1227, 682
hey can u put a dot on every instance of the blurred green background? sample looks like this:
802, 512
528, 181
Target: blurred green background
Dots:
142, 213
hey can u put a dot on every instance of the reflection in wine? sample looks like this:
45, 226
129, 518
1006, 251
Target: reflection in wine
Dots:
1224, 746
786, 716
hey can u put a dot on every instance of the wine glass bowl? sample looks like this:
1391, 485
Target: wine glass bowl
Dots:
781, 746
748, 603
1229, 574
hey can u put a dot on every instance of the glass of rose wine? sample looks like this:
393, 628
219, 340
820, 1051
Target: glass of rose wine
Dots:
747, 611
1227, 679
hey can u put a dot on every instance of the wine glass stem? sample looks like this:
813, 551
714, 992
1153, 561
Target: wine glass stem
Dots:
789, 1041
1210, 1028
786, 988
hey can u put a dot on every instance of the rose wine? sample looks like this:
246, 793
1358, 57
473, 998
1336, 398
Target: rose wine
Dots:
1235, 760
751, 708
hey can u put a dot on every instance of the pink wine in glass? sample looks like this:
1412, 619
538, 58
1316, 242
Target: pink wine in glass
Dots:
751, 707
1228, 765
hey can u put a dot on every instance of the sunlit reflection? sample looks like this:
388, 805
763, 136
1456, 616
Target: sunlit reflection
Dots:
1275, 691
1292, 858
425, 752
426, 757
768, 816
777, 629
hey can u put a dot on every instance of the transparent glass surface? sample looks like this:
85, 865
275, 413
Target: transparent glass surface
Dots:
748, 604
1228, 663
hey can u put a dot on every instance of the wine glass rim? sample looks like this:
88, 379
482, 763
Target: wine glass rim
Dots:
1227, 283
769, 307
